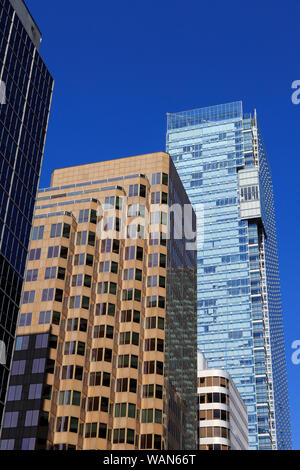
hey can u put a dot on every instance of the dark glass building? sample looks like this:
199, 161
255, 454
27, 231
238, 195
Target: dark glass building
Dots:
26, 92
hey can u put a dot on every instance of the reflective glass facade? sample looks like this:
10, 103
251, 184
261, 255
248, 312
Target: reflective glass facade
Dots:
24, 112
219, 155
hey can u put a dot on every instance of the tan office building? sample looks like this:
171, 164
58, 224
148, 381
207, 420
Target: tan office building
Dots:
105, 356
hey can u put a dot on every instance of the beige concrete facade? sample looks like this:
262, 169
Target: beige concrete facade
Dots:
102, 299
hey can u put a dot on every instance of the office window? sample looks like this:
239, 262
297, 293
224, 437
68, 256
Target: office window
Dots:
147, 415
53, 251
95, 379
146, 441
165, 179
7, 444
64, 252
152, 281
89, 260
104, 266
28, 297
142, 190
31, 418
28, 443
31, 275
74, 301
62, 424
83, 216
14, 393
25, 319
35, 254
45, 317
148, 391
116, 246
55, 230
90, 430
162, 261
91, 238
133, 190
154, 218
114, 267
106, 379
47, 295
156, 178
66, 231
22, 343
130, 253
106, 245
155, 197
164, 218
11, 419
151, 301
79, 259
109, 203
41, 341
35, 391
61, 273
154, 238
87, 281
85, 303
81, 238
139, 253
152, 260
18, 367
149, 367
50, 273
38, 232
119, 436
102, 430
102, 287
77, 280
38, 366
150, 323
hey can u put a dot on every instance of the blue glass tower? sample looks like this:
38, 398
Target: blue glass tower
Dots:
219, 154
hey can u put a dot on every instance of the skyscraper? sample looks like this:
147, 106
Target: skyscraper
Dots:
26, 91
106, 350
219, 154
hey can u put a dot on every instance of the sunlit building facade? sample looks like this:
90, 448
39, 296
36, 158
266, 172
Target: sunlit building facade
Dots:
219, 154
105, 354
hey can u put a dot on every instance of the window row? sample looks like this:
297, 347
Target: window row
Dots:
205, 415
66, 424
215, 432
214, 398
45, 317
87, 215
57, 230
213, 382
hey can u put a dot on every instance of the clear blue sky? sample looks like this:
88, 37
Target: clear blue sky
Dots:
119, 66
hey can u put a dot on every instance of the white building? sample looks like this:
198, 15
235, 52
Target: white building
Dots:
223, 420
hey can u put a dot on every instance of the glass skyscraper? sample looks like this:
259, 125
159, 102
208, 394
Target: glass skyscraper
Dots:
26, 91
219, 154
